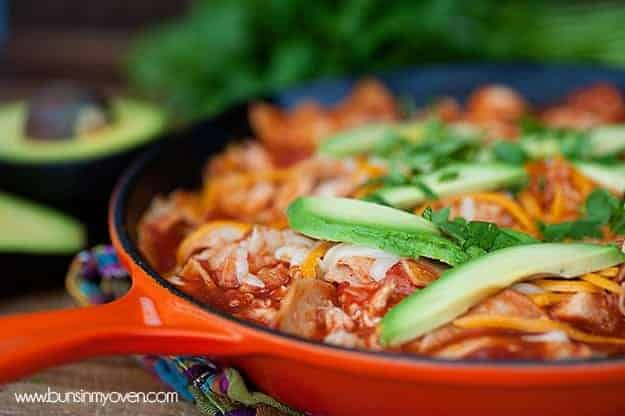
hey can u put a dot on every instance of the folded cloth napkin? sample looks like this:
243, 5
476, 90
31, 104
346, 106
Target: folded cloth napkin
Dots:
95, 276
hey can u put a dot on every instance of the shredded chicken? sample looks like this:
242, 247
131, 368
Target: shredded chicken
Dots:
165, 224
595, 312
229, 244
294, 135
587, 107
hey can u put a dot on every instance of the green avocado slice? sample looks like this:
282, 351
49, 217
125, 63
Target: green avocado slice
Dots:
29, 228
608, 176
602, 142
364, 139
607, 140
358, 140
372, 225
455, 179
462, 287
135, 123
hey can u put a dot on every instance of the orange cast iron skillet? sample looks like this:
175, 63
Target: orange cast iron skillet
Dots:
157, 318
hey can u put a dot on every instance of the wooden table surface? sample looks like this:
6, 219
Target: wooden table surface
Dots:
111, 374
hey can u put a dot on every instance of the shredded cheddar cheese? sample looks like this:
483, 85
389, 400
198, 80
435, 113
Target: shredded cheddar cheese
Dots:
209, 196
556, 210
309, 265
602, 282
539, 325
371, 170
530, 205
565, 285
187, 244
365, 190
509, 206
266, 175
280, 224
582, 183
546, 299
609, 272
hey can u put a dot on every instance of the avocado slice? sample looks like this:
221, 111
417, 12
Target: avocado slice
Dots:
611, 177
365, 139
372, 225
462, 287
358, 140
602, 142
29, 228
454, 179
134, 123
607, 140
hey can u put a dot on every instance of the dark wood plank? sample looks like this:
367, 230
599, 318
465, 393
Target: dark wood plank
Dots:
81, 13
66, 53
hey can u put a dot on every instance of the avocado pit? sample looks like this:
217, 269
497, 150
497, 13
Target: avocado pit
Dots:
65, 111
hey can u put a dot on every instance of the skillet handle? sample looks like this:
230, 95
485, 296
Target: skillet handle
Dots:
129, 325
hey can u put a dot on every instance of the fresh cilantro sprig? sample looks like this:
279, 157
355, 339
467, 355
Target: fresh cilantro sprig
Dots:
439, 147
510, 152
600, 209
476, 238
538, 141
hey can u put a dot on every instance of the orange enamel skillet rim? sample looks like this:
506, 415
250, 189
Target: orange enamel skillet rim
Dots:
381, 363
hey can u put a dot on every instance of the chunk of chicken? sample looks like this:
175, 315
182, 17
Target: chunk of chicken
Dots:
292, 136
513, 347
508, 302
587, 107
496, 108
298, 314
594, 312
164, 225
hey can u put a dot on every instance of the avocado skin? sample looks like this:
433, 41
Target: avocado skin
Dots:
80, 180
31, 272
80, 188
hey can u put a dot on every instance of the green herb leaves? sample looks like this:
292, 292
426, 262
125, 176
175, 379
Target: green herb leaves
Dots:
476, 238
439, 146
601, 209
510, 152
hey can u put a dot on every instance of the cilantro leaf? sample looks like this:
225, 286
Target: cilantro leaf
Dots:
476, 238
509, 152
601, 208
575, 230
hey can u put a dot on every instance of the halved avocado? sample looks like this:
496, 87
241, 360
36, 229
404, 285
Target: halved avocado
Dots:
134, 123
75, 174
455, 179
372, 225
464, 286
36, 244
26, 227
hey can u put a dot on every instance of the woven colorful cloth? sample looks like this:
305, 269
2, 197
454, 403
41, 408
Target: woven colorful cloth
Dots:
95, 276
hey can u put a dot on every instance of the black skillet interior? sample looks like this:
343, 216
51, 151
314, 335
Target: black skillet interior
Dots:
178, 162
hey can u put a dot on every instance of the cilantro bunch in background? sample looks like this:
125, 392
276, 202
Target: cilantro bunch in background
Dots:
227, 50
